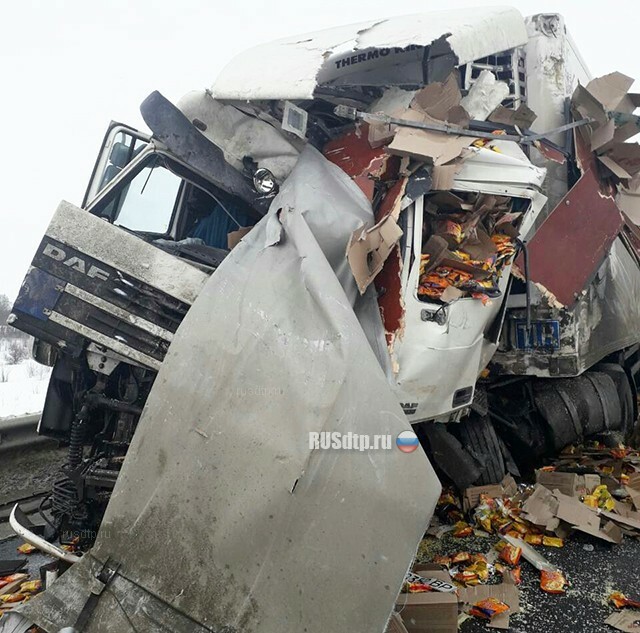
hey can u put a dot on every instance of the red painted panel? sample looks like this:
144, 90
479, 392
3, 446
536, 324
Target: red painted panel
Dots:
353, 154
573, 241
388, 284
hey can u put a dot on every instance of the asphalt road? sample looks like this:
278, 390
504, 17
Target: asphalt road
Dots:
594, 568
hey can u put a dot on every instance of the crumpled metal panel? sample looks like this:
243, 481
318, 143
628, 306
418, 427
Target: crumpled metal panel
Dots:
238, 135
291, 68
222, 511
570, 246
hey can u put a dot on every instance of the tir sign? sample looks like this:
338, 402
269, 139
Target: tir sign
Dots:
74, 262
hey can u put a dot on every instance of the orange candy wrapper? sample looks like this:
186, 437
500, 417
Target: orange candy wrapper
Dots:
14, 597
553, 581
6, 580
619, 600
467, 577
462, 529
510, 554
488, 608
461, 557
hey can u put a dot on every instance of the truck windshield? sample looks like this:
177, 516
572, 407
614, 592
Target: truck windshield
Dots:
148, 203
145, 201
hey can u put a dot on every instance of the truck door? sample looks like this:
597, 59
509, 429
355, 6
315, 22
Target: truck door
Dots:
121, 144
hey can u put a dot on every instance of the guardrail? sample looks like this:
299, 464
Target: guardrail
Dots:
20, 432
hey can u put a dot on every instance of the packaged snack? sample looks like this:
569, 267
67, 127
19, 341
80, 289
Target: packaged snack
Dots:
510, 554
553, 581
31, 586
488, 608
533, 539
462, 529
461, 557
619, 600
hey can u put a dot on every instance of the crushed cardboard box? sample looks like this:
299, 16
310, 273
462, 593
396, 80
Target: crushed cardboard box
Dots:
585, 519
506, 488
570, 484
627, 620
506, 592
522, 117
368, 249
607, 103
633, 489
431, 611
540, 509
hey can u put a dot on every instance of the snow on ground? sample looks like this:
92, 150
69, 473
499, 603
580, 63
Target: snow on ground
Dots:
23, 385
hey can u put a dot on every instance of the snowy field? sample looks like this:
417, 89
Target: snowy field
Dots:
23, 382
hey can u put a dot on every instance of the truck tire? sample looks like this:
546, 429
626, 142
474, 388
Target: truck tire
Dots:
625, 395
479, 438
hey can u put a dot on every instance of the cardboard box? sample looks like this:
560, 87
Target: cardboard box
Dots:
585, 519
570, 484
395, 624
507, 487
368, 250
506, 592
432, 611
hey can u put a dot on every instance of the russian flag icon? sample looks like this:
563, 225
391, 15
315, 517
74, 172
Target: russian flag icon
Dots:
407, 441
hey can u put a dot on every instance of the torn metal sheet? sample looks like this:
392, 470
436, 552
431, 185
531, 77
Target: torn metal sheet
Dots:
292, 68
223, 514
182, 138
605, 318
240, 135
572, 243
478, 170
554, 63
363, 162
629, 201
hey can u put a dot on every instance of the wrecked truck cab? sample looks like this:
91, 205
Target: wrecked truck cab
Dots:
114, 326
397, 159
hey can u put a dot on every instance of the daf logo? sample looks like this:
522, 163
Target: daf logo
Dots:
74, 262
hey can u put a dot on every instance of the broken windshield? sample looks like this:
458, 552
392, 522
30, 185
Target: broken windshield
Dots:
145, 200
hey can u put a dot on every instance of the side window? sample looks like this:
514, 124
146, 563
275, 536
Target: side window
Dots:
123, 149
149, 201
120, 146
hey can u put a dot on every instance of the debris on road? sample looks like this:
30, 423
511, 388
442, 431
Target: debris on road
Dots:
16, 589
521, 523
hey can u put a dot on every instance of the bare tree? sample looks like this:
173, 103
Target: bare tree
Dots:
17, 351
5, 309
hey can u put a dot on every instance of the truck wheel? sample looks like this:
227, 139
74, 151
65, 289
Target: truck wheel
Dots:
479, 438
625, 395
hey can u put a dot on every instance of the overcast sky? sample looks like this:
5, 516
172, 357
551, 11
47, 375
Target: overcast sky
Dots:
70, 66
